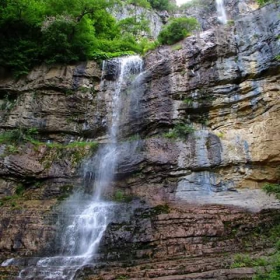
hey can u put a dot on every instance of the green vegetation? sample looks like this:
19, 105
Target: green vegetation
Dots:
8, 103
71, 145
188, 101
66, 31
192, 4
230, 22
271, 263
244, 260
157, 210
272, 189
134, 25
161, 5
140, 3
177, 29
134, 137
180, 130
177, 47
17, 136
19, 189
120, 196
12, 200
121, 277
24, 135
75, 150
63, 31
220, 134
263, 2
161, 209
272, 271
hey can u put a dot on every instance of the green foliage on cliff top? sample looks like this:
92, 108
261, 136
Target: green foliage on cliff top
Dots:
177, 29
60, 31
161, 5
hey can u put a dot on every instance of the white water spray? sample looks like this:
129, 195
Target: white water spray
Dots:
222, 16
90, 214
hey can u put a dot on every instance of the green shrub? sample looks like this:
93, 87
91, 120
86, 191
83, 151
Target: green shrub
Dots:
193, 3
122, 277
140, 3
274, 270
177, 29
272, 189
188, 101
241, 260
177, 47
263, 2
12, 137
183, 129
171, 134
180, 130
120, 196
19, 189
160, 4
134, 25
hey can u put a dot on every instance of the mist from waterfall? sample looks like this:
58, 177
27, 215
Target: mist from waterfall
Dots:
87, 212
222, 16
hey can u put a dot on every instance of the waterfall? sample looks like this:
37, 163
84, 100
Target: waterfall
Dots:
89, 214
222, 16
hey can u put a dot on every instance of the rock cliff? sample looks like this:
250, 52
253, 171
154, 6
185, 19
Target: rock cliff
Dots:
206, 11
204, 141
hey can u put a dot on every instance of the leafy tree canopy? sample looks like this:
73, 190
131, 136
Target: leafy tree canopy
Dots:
160, 4
63, 31
177, 29
140, 3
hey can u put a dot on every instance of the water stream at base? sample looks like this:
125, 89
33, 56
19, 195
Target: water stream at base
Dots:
222, 16
89, 214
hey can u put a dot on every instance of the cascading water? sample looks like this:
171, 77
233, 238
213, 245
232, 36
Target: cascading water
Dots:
222, 16
89, 214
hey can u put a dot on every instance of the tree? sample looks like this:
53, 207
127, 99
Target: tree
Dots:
160, 4
140, 3
134, 25
177, 29
36, 31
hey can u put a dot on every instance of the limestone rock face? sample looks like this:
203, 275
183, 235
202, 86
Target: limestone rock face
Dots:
224, 83
155, 19
206, 11
56, 99
192, 156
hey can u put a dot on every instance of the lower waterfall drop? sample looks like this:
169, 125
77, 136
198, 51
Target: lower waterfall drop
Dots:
89, 214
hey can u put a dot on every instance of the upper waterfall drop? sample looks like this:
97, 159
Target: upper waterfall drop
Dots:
222, 16
88, 212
